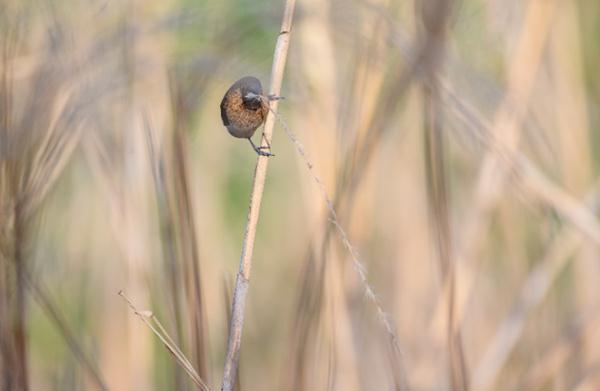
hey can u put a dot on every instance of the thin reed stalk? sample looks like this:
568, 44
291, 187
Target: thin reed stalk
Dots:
243, 277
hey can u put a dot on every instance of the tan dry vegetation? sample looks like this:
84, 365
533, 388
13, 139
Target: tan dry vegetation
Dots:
457, 144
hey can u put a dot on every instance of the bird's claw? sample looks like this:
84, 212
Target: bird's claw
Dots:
259, 149
260, 152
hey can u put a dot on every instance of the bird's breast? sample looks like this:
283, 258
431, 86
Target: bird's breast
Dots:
242, 121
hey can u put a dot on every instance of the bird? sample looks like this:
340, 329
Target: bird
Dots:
244, 108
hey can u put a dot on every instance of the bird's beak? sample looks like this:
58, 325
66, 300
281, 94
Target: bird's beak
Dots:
275, 97
271, 97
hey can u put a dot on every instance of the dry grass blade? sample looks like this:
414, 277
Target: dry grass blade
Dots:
243, 277
167, 231
358, 265
527, 175
35, 149
566, 347
506, 130
351, 174
184, 95
170, 172
533, 291
190, 252
156, 327
435, 16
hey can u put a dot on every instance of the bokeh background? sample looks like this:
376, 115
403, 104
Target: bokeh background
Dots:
462, 156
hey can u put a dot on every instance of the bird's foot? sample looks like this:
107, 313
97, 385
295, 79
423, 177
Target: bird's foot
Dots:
262, 151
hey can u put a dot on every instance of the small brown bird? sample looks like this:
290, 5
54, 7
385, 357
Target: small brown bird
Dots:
244, 108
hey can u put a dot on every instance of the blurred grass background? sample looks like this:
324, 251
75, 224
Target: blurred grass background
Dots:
95, 200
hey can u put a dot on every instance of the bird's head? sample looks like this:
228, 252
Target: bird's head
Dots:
252, 100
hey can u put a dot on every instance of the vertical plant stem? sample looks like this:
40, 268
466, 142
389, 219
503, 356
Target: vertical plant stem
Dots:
19, 325
243, 277
168, 235
435, 16
190, 251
